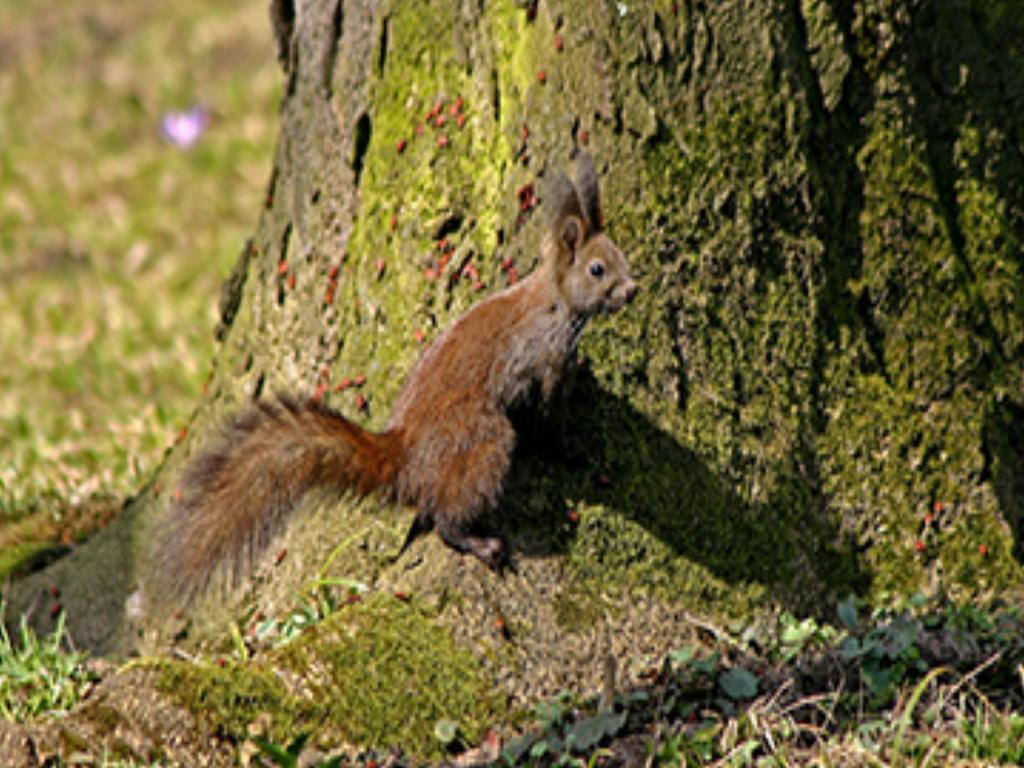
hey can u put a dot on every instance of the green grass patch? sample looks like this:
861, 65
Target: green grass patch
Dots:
38, 675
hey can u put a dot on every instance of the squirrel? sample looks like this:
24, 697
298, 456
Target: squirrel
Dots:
449, 439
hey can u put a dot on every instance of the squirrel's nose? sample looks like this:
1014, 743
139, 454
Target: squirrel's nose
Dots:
630, 291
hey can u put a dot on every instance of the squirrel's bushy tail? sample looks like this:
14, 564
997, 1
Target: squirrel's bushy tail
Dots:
232, 498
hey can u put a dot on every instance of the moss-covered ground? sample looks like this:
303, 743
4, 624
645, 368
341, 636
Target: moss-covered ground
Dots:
375, 673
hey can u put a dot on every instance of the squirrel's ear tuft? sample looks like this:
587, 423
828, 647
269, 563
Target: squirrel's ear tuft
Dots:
567, 215
589, 196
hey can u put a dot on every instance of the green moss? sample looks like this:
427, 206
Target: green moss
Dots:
24, 557
911, 439
228, 698
105, 718
384, 672
376, 674
71, 742
426, 185
577, 607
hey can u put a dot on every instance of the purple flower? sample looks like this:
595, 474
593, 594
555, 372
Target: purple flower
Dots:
183, 129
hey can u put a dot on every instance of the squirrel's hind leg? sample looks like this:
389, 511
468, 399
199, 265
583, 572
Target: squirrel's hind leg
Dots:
490, 550
422, 523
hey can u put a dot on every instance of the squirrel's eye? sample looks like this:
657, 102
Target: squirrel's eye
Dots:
596, 268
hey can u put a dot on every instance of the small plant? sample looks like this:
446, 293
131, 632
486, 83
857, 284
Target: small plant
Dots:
887, 652
996, 739
320, 601
796, 636
564, 737
38, 675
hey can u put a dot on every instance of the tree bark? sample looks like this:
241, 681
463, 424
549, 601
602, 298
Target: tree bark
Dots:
818, 390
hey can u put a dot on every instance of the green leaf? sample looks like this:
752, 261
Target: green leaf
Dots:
851, 649
587, 733
549, 712
283, 758
539, 749
738, 683
847, 612
518, 747
706, 666
881, 680
681, 656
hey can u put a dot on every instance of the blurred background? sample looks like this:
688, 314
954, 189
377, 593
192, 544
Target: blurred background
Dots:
136, 141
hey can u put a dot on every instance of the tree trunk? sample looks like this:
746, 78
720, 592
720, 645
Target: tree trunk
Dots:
819, 389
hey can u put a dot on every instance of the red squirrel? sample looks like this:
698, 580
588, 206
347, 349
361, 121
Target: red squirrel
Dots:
449, 440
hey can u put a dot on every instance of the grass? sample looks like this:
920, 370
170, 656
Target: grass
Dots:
114, 242
38, 675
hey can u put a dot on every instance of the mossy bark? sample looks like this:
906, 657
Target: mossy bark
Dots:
819, 390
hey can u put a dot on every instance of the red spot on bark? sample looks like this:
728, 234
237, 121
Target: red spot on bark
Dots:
527, 198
